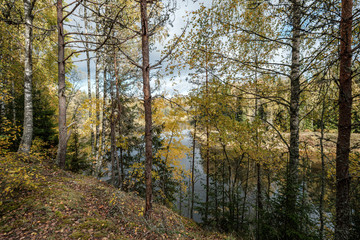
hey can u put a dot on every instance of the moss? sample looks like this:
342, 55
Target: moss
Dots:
5, 227
100, 234
80, 235
9, 206
97, 224
66, 221
58, 214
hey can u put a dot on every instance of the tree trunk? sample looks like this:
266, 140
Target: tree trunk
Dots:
207, 174
180, 199
342, 226
245, 195
259, 202
61, 154
223, 189
147, 105
216, 193
13, 102
89, 82
117, 158
207, 146
323, 173
292, 178
118, 120
193, 174
103, 132
112, 136
26, 139
122, 173
97, 107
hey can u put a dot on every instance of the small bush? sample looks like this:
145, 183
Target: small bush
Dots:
17, 175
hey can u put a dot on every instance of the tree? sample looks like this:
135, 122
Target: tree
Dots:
147, 103
293, 166
26, 139
145, 33
88, 75
109, 22
63, 135
342, 226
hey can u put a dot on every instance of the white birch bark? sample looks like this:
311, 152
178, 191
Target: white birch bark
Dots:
26, 139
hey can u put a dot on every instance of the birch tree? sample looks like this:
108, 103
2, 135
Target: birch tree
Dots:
26, 139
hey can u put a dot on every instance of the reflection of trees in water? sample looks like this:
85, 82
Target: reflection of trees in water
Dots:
233, 190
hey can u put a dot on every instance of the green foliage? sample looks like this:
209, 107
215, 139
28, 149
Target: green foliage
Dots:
76, 160
43, 116
274, 217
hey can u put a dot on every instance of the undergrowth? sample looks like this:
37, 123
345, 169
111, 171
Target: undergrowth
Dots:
40, 201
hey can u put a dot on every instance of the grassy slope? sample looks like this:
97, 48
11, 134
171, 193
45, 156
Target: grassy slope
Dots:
56, 204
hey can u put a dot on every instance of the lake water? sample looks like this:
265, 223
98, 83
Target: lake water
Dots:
200, 178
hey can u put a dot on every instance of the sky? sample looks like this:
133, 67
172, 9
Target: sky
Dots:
179, 84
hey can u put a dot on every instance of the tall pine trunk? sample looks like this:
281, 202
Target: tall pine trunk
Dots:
26, 138
147, 106
342, 227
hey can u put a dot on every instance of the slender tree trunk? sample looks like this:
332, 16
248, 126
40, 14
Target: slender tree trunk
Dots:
259, 202
25, 143
258, 166
13, 101
103, 132
207, 174
268, 184
323, 173
189, 196
216, 193
97, 106
61, 154
237, 208
119, 110
180, 199
89, 82
122, 173
112, 136
293, 178
117, 158
342, 226
193, 173
147, 106
230, 191
223, 189
207, 147
245, 194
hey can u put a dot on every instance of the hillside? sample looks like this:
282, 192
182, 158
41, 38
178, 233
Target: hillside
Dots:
40, 201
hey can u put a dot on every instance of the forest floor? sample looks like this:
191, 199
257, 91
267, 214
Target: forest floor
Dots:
40, 201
